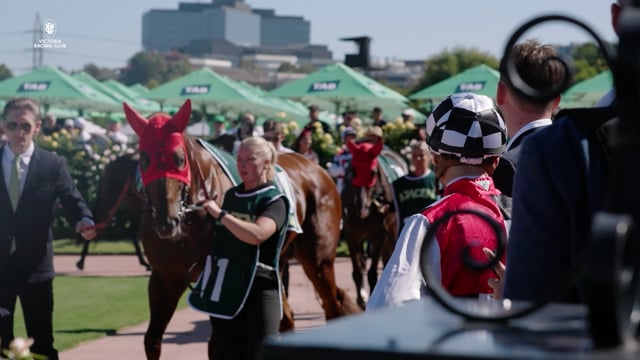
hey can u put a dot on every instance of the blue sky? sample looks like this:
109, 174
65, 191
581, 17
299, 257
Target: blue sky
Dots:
108, 33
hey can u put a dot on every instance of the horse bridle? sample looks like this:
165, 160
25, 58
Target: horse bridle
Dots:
185, 208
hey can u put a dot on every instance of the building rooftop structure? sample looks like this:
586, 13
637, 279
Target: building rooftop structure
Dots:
223, 32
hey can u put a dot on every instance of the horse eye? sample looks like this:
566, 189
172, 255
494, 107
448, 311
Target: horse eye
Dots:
179, 158
145, 161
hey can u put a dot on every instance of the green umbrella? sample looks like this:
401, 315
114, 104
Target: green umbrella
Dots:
53, 87
133, 98
480, 79
98, 86
344, 88
139, 88
587, 93
288, 108
213, 93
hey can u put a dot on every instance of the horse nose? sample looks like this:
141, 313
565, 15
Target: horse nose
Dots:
167, 227
364, 213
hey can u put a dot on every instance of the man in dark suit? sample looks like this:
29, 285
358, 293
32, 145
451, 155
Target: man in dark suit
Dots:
34, 180
525, 115
559, 186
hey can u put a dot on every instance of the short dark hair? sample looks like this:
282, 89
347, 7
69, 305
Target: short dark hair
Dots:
538, 65
22, 103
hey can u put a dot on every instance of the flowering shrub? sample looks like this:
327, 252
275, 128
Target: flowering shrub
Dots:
398, 134
20, 349
291, 131
322, 143
86, 164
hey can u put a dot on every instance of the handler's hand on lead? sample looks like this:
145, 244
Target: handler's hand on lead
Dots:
211, 207
86, 228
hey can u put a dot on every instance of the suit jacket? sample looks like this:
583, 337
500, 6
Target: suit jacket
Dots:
47, 181
506, 169
559, 185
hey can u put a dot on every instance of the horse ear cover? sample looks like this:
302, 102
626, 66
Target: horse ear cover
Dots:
160, 137
181, 118
138, 122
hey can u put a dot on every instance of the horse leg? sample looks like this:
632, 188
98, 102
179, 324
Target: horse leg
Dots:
286, 324
379, 244
139, 253
284, 276
164, 294
358, 263
83, 254
322, 276
390, 236
318, 265
376, 250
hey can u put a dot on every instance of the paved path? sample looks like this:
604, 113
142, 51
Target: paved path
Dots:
188, 331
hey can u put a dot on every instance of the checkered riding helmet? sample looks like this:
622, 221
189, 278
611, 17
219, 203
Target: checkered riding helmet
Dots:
467, 125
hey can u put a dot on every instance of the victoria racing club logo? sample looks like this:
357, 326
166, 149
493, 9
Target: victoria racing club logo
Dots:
49, 28
48, 39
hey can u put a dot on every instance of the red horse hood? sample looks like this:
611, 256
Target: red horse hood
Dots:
160, 138
364, 161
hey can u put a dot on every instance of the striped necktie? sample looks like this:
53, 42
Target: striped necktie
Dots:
14, 182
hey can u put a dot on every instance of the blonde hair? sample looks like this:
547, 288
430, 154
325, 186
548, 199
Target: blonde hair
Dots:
419, 145
264, 150
22, 103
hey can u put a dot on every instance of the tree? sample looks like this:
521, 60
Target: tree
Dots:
99, 73
587, 60
177, 65
305, 69
448, 63
5, 73
148, 68
286, 67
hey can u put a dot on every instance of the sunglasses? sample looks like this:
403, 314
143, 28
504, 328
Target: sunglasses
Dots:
24, 126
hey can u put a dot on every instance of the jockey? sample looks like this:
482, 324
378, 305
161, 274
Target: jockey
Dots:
466, 135
342, 159
365, 153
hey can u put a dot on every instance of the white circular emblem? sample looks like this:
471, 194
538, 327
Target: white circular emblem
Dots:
49, 28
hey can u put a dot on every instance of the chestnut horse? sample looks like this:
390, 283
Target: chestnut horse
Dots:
369, 214
112, 191
176, 239
318, 207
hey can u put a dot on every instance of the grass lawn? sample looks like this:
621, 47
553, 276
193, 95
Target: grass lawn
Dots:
96, 247
115, 247
87, 308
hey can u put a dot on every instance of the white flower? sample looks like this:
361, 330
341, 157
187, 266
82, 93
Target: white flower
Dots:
19, 347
